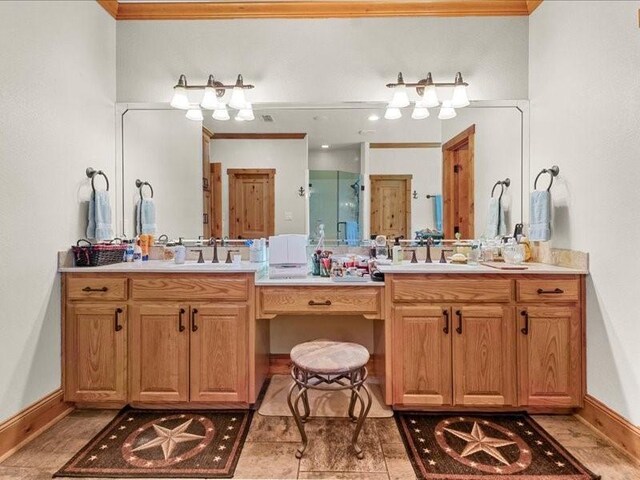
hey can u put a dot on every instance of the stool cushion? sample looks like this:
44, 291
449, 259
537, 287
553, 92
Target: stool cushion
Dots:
328, 357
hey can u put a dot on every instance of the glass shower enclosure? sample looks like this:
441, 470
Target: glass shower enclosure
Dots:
334, 202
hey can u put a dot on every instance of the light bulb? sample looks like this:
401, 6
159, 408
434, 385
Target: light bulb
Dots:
209, 99
459, 98
180, 99
419, 112
194, 114
373, 117
392, 113
430, 97
246, 112
238, 118
237, 100
446, 111
221, 113
400, 98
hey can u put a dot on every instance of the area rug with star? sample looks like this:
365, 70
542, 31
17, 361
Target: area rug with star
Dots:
485, 446
163, 443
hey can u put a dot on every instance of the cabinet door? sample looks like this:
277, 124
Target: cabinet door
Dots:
159, 353
219, 353
96, 352
484, 355
422, 355
549, 355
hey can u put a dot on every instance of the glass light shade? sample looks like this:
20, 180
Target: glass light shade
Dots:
459, 98
180, 99
195, 114
209, 99
446, 111
237, 99
430, 97
400, 98
221, 113
392, 113
419, 112
246, 112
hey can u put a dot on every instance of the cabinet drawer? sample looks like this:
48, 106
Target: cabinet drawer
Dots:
96, 288
546, 290
183, 289
409, 288
326, 301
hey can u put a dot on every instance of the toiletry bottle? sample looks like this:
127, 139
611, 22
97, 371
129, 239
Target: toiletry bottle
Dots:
129, 253
137, 252
396, 257
180, 255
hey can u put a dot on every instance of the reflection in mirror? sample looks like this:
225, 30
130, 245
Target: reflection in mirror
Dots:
348, 169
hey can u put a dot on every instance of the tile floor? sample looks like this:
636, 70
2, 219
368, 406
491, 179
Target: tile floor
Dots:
269, 450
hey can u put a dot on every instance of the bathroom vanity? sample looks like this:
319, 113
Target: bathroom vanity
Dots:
444, 337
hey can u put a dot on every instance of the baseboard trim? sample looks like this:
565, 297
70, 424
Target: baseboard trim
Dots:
622, 433
30, 422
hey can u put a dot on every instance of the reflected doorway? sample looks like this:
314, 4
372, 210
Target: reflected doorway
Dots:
458, 184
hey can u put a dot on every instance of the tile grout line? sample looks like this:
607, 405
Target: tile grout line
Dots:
384, 457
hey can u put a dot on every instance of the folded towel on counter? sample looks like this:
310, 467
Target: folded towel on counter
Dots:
540, 214
99, 226
145, 217
495, 219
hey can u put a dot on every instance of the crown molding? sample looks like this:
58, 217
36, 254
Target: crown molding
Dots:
258, 136
316, 9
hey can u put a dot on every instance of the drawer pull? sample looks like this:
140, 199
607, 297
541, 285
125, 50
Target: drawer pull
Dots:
181, 320
194, 327
459, 328
555, 291
525, 329
118, 326
90, 289
313, 303
445, 314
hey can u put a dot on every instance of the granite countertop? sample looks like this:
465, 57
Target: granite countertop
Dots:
439, 268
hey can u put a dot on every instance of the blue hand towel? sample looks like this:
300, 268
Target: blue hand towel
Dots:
99, 225
495, 219
540, 213
438, 212
145, 217
352, 235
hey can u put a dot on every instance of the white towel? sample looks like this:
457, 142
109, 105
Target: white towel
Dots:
99, 225
495, 219
540, 213
145, 217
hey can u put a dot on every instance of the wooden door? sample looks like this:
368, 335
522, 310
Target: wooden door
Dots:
422, 355
251, 202
96, 352
549, 356
391, 205
219, 353
458, 184
159, 353
216, 200
206, 184
484, 356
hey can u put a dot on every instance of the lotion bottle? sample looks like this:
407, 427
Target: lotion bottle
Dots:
396, 256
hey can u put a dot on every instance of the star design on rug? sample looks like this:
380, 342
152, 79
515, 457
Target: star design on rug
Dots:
478, 441
168, 438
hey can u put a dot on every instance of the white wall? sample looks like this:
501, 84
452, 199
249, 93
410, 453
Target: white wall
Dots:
497, 155
585, 104
342, 159
425, 164
163, 148
288, 157
323, 60
57, 103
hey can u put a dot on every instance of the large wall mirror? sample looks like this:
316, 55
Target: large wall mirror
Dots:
343, 170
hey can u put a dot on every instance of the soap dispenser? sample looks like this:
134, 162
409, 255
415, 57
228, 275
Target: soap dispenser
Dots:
396, 257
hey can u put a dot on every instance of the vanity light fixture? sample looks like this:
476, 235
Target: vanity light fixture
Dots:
427, 97
214, 91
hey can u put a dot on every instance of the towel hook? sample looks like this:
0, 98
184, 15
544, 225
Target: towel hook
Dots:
503, 183
553, 172
91, 173
140, 184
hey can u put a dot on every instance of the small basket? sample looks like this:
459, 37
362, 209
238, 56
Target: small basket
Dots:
91, 255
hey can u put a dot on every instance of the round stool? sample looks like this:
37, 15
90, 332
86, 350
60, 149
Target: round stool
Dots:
327, 365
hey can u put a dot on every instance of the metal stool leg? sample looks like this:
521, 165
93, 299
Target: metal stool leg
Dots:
293, 406
364, 411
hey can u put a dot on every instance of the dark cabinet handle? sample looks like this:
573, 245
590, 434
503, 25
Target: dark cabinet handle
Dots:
181, 320
459, 328
525, 329
555, 291
194, 312
90, 289
313, 303
118, 326
445, 314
